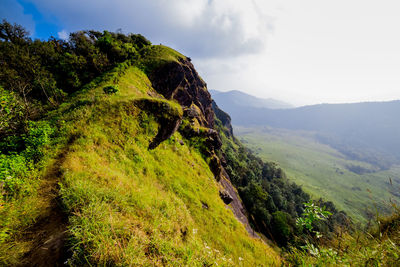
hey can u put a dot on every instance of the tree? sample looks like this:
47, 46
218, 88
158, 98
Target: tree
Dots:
15, 34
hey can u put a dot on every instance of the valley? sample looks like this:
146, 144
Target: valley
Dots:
324, 172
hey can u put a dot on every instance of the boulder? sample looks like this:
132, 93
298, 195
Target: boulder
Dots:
225, 196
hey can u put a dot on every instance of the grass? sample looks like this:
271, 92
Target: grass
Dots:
158, 55
380, 246
141, 207
322, 171
128, 205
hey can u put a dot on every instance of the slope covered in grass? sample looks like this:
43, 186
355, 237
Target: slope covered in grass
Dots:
126, 204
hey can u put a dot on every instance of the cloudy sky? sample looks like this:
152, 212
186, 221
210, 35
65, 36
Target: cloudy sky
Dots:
302, 52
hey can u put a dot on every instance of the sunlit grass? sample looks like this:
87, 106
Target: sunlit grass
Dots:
141, 207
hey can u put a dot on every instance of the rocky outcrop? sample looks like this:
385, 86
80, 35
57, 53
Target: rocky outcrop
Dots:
225, 196
180, 81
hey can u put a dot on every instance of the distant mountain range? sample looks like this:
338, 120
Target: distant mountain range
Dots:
241, 99
368, 131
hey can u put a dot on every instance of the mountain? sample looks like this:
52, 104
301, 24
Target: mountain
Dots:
370, 128
241, 99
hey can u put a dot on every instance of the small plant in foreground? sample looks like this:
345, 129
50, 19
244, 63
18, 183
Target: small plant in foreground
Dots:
311, 214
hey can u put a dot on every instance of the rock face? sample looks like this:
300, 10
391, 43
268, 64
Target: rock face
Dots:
224, 118
180, 81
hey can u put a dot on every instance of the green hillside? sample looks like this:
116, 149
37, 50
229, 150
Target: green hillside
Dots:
324, 172
127, 205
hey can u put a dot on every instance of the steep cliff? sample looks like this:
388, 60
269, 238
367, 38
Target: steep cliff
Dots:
178, 80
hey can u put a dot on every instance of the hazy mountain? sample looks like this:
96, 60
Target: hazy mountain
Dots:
245, 100
369, 129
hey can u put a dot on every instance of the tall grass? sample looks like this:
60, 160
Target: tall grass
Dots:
132, 206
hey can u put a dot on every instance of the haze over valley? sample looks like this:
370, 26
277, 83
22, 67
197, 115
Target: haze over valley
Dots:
350, 150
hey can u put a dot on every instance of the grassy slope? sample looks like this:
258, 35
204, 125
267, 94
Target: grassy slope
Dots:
128, 205
321, 170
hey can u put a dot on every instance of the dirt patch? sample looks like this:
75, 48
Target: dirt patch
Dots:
49, 234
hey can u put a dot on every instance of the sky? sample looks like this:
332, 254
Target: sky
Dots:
302, 52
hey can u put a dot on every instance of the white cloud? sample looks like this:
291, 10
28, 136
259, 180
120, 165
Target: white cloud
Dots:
63, 35
317, 51
199, 28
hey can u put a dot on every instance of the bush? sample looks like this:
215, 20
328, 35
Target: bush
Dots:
38, 135
112, 89
17, 165
11, 112
13, 169
281, 226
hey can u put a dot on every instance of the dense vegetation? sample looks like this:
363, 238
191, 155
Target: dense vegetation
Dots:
379, 246
38, 75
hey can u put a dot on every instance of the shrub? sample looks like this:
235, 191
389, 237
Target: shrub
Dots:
17, 165
11, 112
112, 89
13, 169
312, 214
38, 135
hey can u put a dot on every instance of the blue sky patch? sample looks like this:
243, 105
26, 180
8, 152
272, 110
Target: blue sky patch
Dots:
45, 26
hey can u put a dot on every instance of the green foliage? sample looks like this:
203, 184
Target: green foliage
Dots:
13, 33
38, 135
111, 89
41, 74
374, 247
14, 169
11, 112
16, 166
312, 214
281, 224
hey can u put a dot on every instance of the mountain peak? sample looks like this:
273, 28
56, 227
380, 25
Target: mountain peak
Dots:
245, 100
